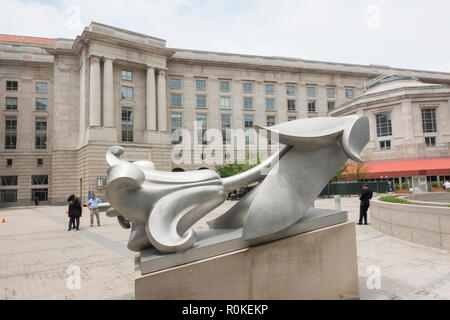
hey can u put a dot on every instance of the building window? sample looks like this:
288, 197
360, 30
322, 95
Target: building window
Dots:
225, 102
175, 100
291, 105
177, 137
200, 85
127, 93
270, 121
127, 124
226, 126
40, 162
248, 103
429, 120
349, 93
312, 106
11, 103
41, 133
9, 162
385, 145
270, 104
12, 85
330, 92
430, 141
311, 91
331, 105
41, 104
8, 195
384, 125
15, 47
248, 121
292, 118
40, 179
127, 75
270, 89
201, 129
201, 101
8, 180
225, 86
41, 194
248, 124
248, 87
175, 83
10, 132
41, 87
290, 90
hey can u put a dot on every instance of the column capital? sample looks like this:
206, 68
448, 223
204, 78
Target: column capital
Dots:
108, 58
161, 72
94, 58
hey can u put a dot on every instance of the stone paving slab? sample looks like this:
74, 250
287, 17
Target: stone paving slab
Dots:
36, 250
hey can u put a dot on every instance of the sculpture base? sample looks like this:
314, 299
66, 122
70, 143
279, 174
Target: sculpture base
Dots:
213, 242
320, 264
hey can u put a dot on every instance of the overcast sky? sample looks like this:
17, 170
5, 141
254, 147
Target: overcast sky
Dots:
399, 33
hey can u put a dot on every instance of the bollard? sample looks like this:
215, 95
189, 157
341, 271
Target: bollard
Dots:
337, 202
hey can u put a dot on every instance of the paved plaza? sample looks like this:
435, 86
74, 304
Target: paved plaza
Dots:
38, 257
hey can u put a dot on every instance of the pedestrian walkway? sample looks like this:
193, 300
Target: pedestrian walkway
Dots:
408, 270
36, 251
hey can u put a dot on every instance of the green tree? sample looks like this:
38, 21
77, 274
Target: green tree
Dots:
231, 169
340, 174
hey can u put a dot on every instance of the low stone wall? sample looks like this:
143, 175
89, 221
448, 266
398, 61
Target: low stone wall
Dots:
425, 225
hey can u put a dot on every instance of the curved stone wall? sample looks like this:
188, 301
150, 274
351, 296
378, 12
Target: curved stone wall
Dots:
425, 225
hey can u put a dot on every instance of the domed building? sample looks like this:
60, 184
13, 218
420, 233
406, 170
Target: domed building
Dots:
409, 129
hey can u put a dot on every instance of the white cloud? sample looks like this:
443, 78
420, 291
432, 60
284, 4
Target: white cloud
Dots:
411, 34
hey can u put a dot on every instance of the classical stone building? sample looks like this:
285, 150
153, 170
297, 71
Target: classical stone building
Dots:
409, 120
64, 102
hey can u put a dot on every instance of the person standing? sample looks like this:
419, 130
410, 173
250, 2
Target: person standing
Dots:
365, 197
75, 214
446, 186
71, 221
390, 188
36, 200
93, 207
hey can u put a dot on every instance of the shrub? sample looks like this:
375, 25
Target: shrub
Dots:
394, 199
434, 184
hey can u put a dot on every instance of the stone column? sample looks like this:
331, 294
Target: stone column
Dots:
94, 92
162, 111
108, 93
151, 99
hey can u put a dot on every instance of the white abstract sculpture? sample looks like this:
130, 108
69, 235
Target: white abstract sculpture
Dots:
161, 207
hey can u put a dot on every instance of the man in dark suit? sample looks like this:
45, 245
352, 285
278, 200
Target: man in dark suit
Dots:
365, 197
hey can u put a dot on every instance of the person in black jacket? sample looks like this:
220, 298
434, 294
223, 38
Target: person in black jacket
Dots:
75, 214
365, 197
71, 221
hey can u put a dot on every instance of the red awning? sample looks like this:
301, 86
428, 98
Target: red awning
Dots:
409, 168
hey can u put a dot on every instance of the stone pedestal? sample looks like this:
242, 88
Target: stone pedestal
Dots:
320, 264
